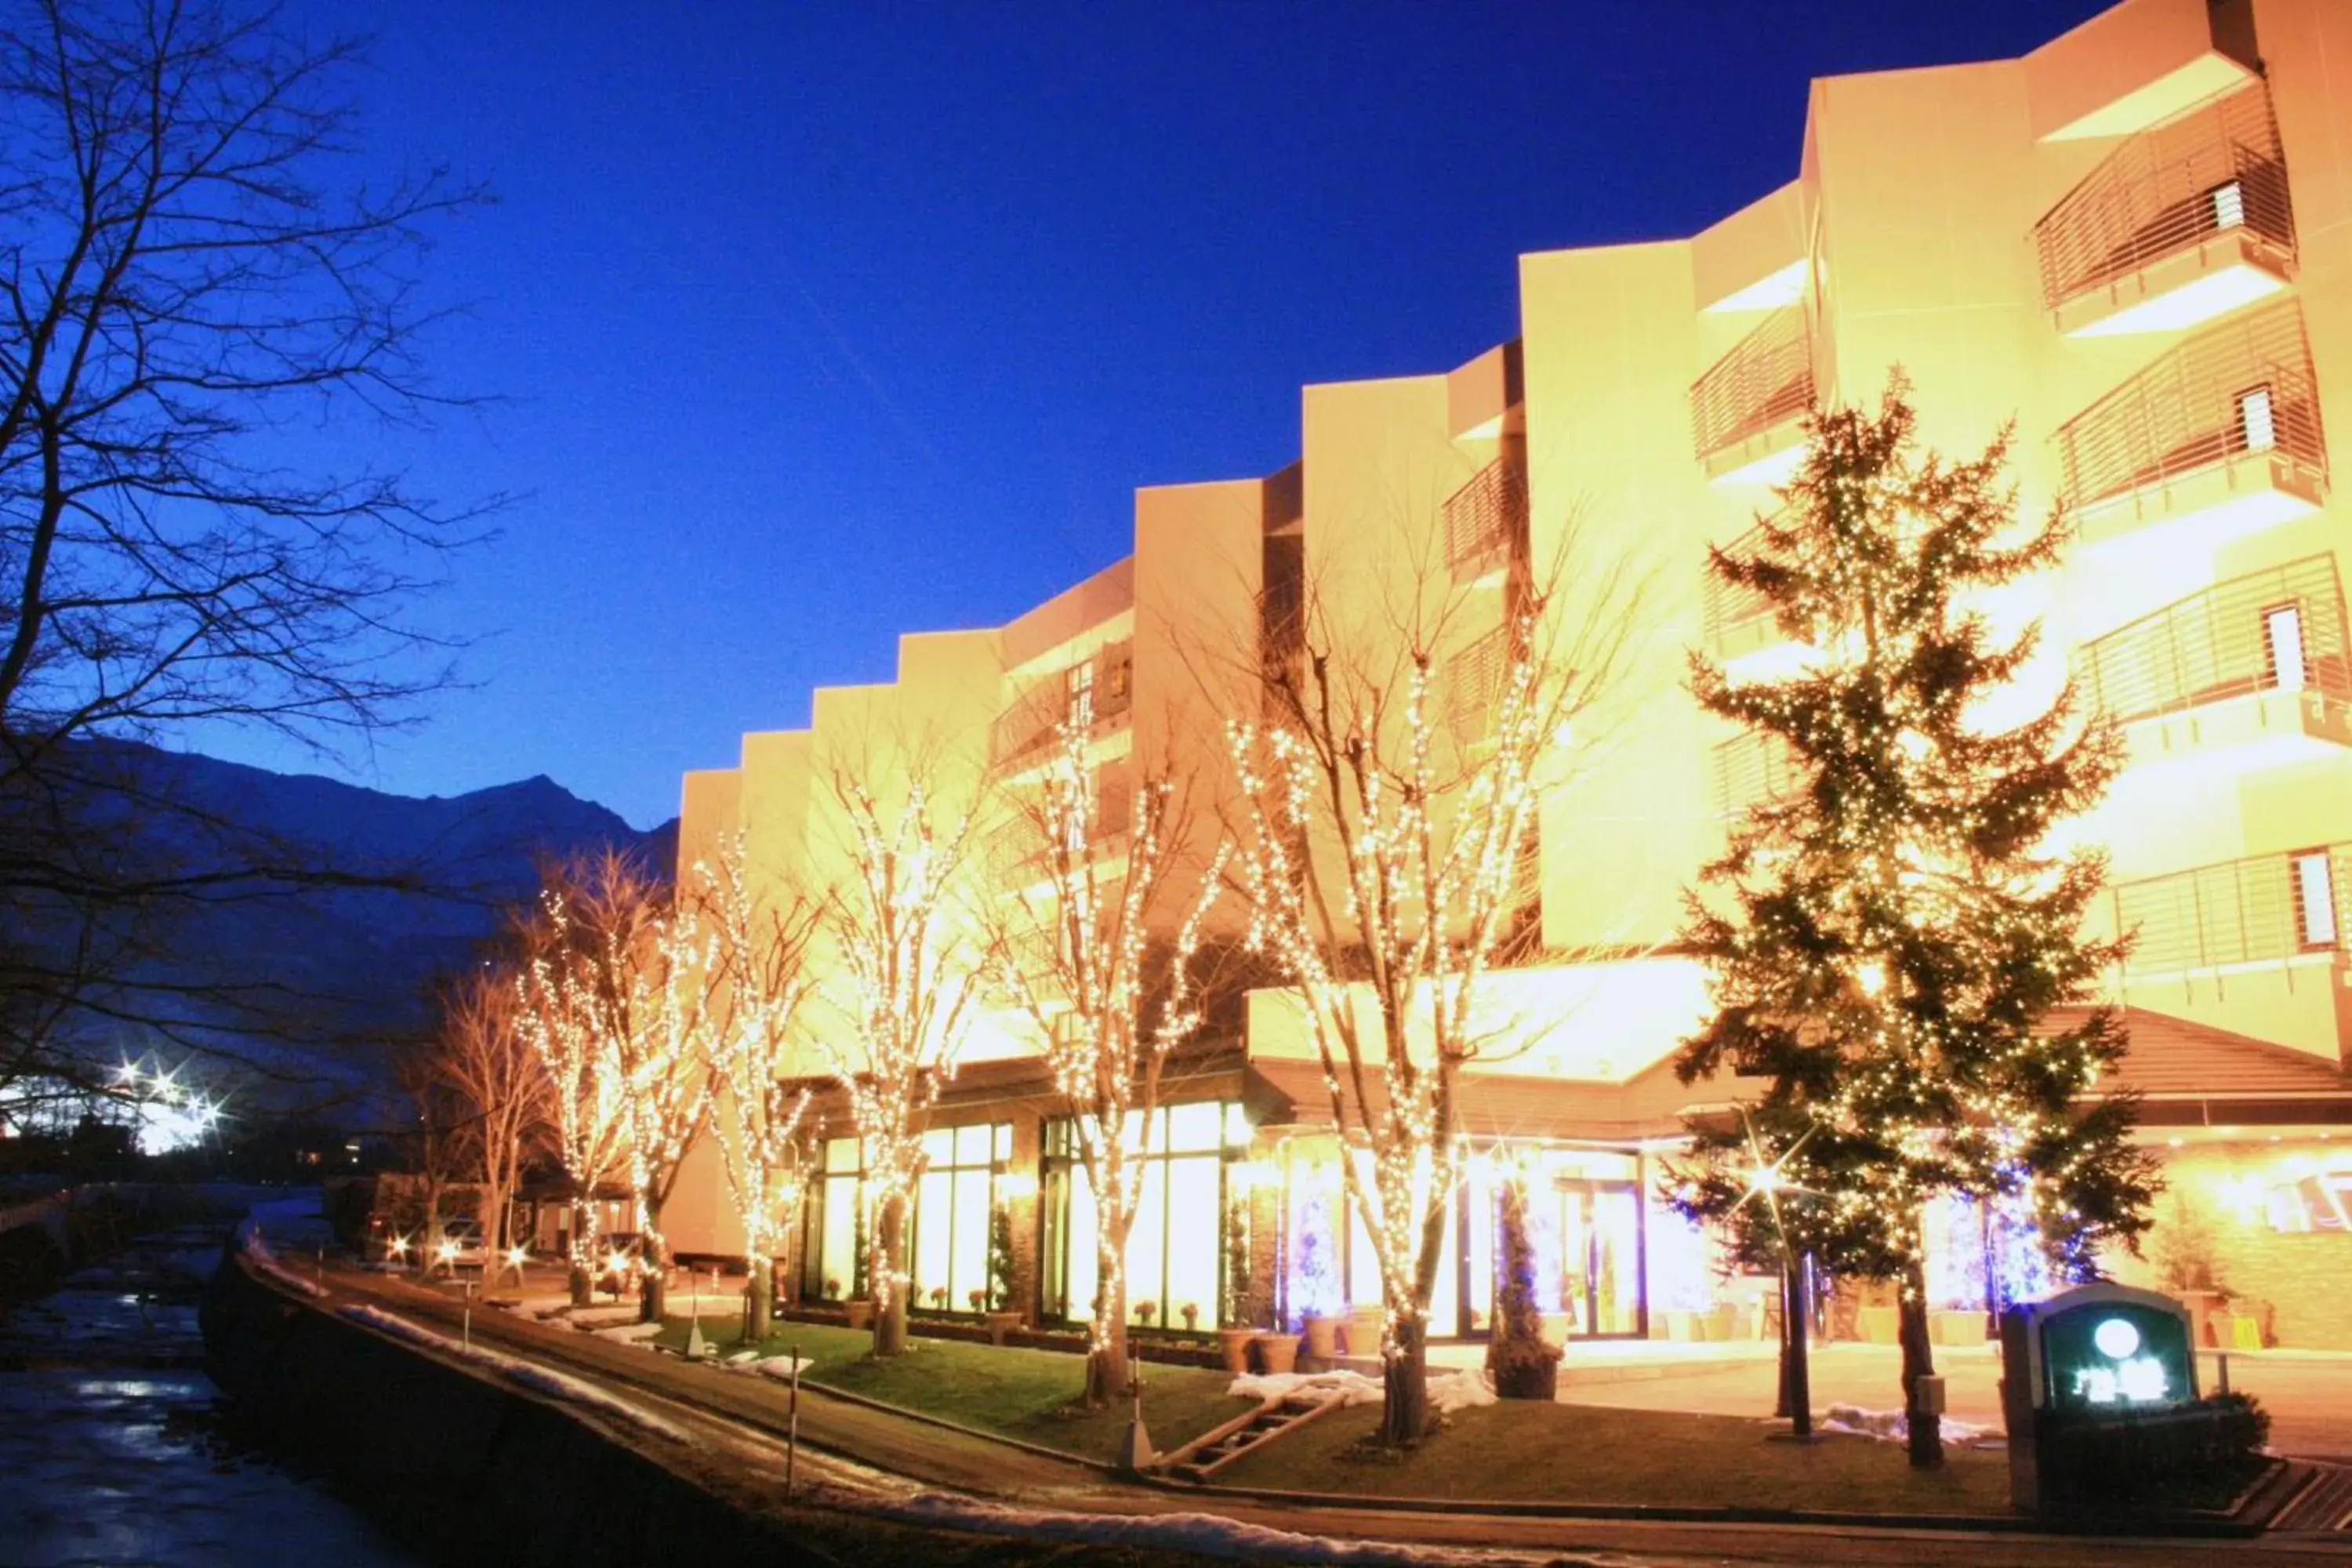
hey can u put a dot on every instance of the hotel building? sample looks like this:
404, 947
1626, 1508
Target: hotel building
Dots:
2135, 246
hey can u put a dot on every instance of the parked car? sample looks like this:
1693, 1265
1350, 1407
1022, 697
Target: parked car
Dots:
460, 1245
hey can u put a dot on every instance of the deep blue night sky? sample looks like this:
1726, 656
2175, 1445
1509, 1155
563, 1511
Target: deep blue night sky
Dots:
816, 323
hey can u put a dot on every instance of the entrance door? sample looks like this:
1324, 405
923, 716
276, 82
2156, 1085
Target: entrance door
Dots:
1601, 1257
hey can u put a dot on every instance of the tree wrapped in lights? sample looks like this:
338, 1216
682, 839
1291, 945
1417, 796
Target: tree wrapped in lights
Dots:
905, 979
762, 1124
1889, 937
1110, 995
1383, 858
637, 980
557, 1013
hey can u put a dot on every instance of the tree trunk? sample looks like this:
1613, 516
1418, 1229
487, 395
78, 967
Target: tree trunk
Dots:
652, 1290
890, 1319
1405, 1381
1926, 1435
762, 1287
428, 1248
1108, 1374
583, 1266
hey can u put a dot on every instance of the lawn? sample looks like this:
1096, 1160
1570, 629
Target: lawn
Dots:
1572, 1453
1024, 1393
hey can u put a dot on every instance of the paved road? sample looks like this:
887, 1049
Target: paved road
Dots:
741, 1416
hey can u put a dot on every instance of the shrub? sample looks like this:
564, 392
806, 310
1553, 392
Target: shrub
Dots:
2184, 1456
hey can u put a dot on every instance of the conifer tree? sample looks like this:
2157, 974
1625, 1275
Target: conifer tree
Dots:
1890, 935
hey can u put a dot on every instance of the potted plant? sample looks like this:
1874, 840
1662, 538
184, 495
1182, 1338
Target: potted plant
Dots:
1144, 1311
833, 1290
858, 1310
1878, 1319
2189, 1265
939, 1297
1192, 1312
1523, 1363
1319, 1289
1277, 1352
979, 1300
1001, 1318
1236, 1330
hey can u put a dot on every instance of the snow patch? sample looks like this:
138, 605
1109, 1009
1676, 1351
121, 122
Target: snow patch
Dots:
629, 1334
257, 1253
1448, 1390
529, 1374
1206, 1534
1890, 1426
781, 1366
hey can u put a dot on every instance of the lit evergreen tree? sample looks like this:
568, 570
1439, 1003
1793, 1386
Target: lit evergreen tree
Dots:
1889, 935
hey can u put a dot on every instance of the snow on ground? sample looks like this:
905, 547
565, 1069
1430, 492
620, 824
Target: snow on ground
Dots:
600, 1317
544, 1380
1448, 1392
629, 1334
777, 1366
258, 1252
1206, 1534
1890, 1426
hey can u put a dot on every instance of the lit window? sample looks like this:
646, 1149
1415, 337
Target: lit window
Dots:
2314, 900
1079, 689
2256, 428
2229, 204
2283, 638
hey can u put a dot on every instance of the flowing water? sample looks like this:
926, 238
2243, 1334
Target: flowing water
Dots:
115, 1448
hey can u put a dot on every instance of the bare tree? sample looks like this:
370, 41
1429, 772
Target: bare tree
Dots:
906, 980
1110, 995
558, 1013
1387, 804
190, 263
499, 1082
761, 1123
441, 1146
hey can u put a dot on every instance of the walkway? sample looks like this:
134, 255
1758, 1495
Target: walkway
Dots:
744, 1415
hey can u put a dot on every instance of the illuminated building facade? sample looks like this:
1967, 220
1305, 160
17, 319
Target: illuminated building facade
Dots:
2135, 246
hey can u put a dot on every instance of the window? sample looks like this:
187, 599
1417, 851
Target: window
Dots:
2314, 900
2257, 424
2316, 1202
955, 1205
832, 1263
2282, 647
1174, 1252
2229, 204
1078, 693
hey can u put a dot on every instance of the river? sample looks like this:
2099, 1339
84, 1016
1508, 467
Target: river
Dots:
115, 1448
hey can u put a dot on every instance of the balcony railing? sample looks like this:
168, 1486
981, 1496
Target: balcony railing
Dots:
1768, 377
2166, 189
2239, 912
1727, 607
1098, 692
1750, 771
1487, 518
2279, 630
2246, 386
1474, 686
1015, 855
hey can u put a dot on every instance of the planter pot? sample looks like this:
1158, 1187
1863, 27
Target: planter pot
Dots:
1000, 1325
858, 1313
1232, 1348
1682, 1324
1723, 1324
1881, 1325
1956, 1327
1276, 1354
1557, 1327
2238, 1331
1322, 1338
1364, 1331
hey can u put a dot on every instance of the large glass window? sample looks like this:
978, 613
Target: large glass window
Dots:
955, 1205
1174, 1252
833, 1267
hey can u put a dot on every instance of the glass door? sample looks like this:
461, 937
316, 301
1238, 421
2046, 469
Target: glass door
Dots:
1601, 1256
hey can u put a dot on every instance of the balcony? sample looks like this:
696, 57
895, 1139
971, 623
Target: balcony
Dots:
1747, 411
1014, 857
1748, 771
1739, 623
2267, 910
2181, 223
2217, 439
1098, 692
1474, 686
1487, 523
2258, 666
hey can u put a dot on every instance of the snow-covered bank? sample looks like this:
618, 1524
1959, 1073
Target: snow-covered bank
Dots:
529, 1374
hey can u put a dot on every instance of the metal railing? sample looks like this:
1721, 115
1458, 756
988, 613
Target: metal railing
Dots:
1487, 516
2237, 911
1015, 856
2241, 388
1039, 711
1750, 771
1765, 378
2219, 644
2216, 168
1474, 686
1727, 607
